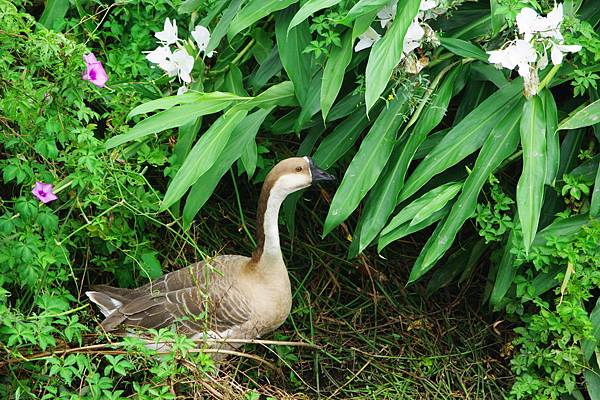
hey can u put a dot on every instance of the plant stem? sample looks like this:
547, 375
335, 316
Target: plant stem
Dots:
240, 55
548, 77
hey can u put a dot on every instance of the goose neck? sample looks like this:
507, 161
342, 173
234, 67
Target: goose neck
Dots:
268, 246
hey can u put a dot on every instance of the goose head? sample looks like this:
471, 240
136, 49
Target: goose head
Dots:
296, 173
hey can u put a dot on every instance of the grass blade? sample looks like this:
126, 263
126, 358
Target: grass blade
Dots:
367, 164
387, 52
530, 189
500, 143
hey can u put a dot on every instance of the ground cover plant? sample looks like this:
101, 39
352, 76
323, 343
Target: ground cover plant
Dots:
465, 134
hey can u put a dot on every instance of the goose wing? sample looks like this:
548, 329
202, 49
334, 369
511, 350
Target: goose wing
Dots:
194, 299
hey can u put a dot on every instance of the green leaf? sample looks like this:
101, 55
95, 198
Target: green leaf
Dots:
595, 202
151, 266
592, 382
362, 23
234, 81
465, 137
497, 16
406, 229
242, 136
268, 69
530, 188
253, 11
249, 158
387, 52
565, 229
506, 272
435, 204
221, 29
291, 45
587, 116
500, 143
338, 142
589, 345
172, 118
54, 13
308, 9
552, 138
205, 99
203, 155
281, 95
364, 7
367, 164
464, 49
333, 74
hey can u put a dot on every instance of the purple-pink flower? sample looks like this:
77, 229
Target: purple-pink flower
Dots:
94, 71
43, 191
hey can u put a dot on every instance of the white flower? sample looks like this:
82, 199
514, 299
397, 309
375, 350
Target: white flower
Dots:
182, 90
530, 23
185, 64
387, 14
202, 36
517, 54
179, 63
427, 5
367, 39
556, 54
413, 37
169, 33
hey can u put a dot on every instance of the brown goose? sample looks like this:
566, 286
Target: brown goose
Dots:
228, 296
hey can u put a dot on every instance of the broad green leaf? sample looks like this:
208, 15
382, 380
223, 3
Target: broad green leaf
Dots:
589, 345
364, 7
254, 11
54, 13
186, 138
406, 229
268, 69
586, 171
408, 213
308, 9
234, 81
333, 74
280, 95
500, 143
387, 52
338, 142
367, 164
497, 16
243, 134
487, 72
465, 137
592, 382
464, 259
362, 23
291, 45
206, 99
431, 117
464, 49
595, 202
587, 116
435, 204
171, 118
506, 272
565, 229
249, 157
151, 266
203, 155
552, 139
530, 188
221, 29
311, 104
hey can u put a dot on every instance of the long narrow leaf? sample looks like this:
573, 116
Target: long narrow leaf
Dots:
165, 103
464, 48
506, 273
530, 188
242, 136
587, 116
465, 138
203, 155
309, 8
171, 118
333, 74
253, 11
387, 52
367, 164
364, 7
221, 29
501, 143
552, 139
595, 203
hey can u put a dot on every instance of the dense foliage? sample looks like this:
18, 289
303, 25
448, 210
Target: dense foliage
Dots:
473, 121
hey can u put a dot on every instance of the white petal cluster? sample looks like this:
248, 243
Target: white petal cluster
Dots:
418, 32
179, 62
528, 53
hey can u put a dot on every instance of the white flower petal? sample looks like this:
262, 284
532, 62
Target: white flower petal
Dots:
387, 14
543, 61
556, 55
555, 17
169, 33
159, 55
184, 62
182, 90
367, 39
527, 20
569, 48
202, 36
427, 5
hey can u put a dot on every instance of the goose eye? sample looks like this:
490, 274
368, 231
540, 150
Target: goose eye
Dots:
298, 169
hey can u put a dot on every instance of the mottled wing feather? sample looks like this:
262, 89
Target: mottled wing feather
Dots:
182, 297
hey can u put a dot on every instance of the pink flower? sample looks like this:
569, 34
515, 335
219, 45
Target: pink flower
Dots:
43, 191
94, 71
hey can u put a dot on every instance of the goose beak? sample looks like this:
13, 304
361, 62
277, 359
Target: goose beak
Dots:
318, 175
